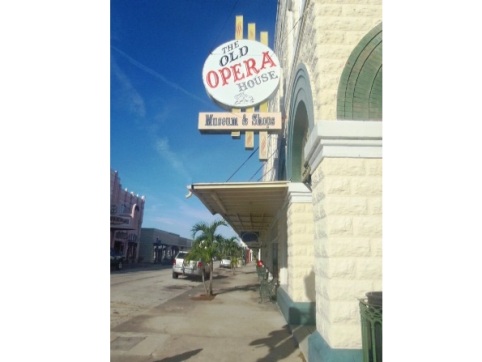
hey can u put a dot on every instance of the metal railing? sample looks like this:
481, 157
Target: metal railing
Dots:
267, 285
371, 325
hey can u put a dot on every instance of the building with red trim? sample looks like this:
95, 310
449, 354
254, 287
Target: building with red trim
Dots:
126, 214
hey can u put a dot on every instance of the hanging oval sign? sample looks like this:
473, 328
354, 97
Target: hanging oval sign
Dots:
241, 73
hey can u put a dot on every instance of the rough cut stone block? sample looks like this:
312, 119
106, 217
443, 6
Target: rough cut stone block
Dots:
375, 205
343, 167
367, 226
370, 186
344, 205
337, 186
346, 247
339, 226
369, 268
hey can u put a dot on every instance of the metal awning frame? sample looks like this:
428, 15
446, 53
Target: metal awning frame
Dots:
248, 207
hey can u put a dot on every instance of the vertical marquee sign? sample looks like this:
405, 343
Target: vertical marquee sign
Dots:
263, 107
242, 74
238, 34
249, 135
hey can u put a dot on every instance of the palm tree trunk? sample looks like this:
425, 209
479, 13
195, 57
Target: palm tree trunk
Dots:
211, 268
204, 283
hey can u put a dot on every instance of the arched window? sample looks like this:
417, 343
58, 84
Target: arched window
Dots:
298, 141
360, 88
300, 124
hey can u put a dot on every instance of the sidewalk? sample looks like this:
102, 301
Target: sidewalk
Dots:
233, 326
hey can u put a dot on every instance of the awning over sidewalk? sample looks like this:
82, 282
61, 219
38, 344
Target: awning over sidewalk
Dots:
248, 207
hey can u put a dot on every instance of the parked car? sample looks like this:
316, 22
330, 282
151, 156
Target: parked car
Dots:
180, 266
225, 263
116, 260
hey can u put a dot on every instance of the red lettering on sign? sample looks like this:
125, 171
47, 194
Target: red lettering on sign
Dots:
250, 66
267, 60
212, 79
237, 72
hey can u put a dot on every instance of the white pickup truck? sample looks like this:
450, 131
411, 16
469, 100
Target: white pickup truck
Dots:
192, 268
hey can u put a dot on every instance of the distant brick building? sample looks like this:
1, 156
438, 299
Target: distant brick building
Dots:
126, 213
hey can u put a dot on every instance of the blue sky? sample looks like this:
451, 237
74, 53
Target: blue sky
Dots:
157, 51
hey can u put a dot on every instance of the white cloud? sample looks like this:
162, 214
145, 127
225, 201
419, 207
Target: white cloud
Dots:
163, 149
159, 76
128, 94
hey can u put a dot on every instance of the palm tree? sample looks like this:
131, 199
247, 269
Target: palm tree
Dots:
221, 244
233, 250
205, 246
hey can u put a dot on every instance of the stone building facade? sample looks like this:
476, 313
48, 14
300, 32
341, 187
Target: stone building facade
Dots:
317, 212
331, 95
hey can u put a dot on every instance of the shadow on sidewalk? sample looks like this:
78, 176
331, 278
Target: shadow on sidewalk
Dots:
280, 344
243, 288
181, 357
138, 267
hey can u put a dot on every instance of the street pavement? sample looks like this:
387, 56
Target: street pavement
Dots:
232, 326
